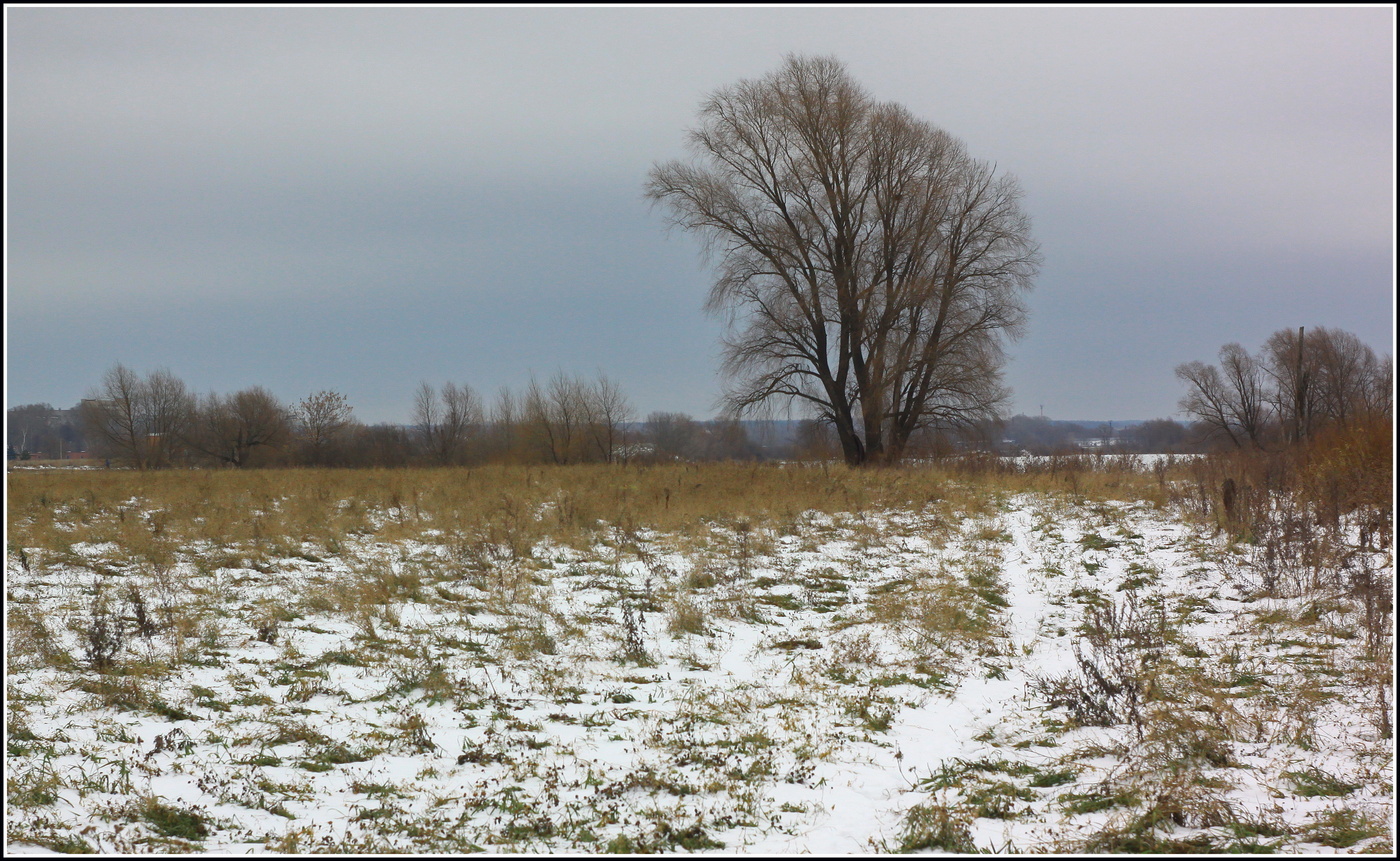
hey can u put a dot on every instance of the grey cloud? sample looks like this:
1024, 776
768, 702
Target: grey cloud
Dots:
362, 198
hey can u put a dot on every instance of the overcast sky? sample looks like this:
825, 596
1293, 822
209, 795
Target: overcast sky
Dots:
362, 199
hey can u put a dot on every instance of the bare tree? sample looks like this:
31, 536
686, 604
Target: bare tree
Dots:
143, 421
381, 445
1347, 376
322, 418
230, 428
1301, 380
813, 441
1159, 436
29, 429
462, 417
1380, 394
556, 415
607, 412
1325, 376
112, 416
727, 439
1228, 400
672, 435
1292, 366
446, 424
1245, 379
504, 439
876, 266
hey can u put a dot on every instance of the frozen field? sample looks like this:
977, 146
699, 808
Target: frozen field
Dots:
1031, 673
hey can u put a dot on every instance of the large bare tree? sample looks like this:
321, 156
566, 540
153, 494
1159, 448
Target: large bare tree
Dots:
872, 269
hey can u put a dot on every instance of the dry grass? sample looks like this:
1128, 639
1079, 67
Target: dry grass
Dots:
271, 511
158, 573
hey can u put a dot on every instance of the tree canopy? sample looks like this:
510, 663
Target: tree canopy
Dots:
872, 269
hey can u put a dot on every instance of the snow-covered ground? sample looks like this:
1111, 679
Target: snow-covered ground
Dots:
868, 682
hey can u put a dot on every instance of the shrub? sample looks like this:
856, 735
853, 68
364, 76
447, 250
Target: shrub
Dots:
174, 821
935, 826
103, 634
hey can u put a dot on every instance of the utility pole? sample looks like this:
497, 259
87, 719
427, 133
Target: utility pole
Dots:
1300, 391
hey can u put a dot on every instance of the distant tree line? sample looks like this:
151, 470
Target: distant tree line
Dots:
1298, 384
40, 431
1309, 417
155, 421
1040, 435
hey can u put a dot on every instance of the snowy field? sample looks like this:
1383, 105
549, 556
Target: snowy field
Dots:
1032, 673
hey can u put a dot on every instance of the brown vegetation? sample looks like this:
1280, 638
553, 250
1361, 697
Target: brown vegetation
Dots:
1299, 384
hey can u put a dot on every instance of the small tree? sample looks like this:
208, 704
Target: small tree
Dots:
673, 436
504, 438
144, 421
322, 419
446, 423
554, 415
606, 411
231, 428
1230, 400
